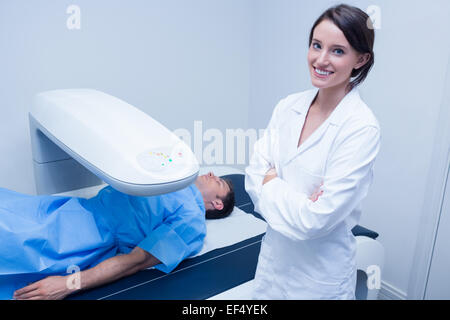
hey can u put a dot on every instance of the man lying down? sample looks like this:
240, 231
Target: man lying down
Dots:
112, 235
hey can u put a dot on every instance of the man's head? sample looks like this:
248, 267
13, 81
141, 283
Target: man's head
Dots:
218, 195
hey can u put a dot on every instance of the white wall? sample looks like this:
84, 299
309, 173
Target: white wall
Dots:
404, 90
179, 61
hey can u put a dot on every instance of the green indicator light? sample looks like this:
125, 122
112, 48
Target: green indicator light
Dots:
170, 160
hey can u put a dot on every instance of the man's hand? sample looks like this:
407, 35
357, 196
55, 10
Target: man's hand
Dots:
50, 288
271, 174
59, 287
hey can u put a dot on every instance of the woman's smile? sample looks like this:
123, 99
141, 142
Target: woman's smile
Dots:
321, 73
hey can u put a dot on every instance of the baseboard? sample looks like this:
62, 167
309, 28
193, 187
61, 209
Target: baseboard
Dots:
389, 292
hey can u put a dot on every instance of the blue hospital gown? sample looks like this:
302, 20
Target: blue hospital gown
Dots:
46, 235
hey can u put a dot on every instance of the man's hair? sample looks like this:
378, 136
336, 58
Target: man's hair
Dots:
228, 204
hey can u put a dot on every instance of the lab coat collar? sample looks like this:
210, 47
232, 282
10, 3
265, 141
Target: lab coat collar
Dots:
338, 115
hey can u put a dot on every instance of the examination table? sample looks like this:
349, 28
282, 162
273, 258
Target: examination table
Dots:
225, 270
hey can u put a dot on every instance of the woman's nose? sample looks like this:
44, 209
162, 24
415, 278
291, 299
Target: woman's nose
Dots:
322, 59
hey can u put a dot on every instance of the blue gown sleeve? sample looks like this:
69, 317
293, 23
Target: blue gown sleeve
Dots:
179, 236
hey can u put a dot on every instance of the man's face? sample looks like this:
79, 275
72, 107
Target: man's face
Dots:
213, 189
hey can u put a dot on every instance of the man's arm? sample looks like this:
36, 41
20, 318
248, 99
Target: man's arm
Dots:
117, 267
56, 287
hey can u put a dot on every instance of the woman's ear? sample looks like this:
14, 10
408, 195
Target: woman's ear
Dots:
362, 60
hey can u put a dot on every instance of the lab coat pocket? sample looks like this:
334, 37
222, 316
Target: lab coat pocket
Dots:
301, 286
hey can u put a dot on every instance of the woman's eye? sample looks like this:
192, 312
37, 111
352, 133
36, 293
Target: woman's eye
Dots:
317, 46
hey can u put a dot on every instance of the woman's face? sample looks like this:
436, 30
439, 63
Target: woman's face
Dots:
331, 58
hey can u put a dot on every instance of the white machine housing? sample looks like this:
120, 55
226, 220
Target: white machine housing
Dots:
84, 137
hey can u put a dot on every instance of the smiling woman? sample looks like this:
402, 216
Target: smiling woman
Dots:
314, 165
339, 36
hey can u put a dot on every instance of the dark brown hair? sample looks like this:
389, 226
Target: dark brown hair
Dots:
354, 23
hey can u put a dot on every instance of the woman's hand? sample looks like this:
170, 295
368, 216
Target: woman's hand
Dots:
271, 174
50, 288
316, 194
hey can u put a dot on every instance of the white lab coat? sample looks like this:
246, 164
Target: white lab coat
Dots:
308, 251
